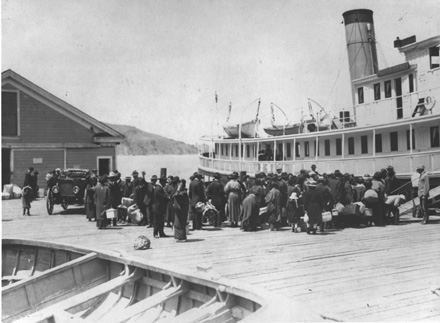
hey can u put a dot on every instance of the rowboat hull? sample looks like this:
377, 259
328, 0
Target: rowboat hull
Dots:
55, 283
248, 129
281, 130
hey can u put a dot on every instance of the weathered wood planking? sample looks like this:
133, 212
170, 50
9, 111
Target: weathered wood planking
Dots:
365, 274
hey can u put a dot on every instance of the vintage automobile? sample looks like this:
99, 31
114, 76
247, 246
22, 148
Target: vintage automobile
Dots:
66, 187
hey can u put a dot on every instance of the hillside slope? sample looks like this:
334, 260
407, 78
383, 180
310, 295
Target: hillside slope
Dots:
138, 142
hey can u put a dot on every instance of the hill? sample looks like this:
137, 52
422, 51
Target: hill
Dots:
138, 142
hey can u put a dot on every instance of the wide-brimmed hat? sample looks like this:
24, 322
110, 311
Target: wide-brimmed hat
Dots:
293, 196
421, 167
127, 177
217, 176
284, 175
112, 174
135, 172
154, 178
311, 182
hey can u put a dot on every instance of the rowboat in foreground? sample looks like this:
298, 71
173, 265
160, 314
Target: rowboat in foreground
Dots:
48, 282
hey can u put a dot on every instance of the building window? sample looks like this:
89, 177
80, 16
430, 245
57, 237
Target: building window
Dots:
378, 142
434, 58
306, 149
360, 95
411, 83
399, 101
394, 141
9, 113
408, 143
435, 140
377, 91
327, 147
388, 92
364, 144
338, 146
248, 151
351, 145
289, 149
297, 149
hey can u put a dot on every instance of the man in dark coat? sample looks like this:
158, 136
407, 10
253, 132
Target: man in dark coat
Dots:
115, 187
313, 205
27, 177
282, 186
335, 187
148, 201
216, 193
196, 194
159, 207
127, 187
138, 197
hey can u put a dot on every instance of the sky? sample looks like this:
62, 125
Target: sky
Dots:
157, 65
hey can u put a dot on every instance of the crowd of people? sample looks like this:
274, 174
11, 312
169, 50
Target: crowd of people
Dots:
300, 201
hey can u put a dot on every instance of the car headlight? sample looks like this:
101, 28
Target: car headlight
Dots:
75, 189
56, 189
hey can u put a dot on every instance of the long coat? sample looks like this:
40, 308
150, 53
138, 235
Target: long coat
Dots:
181, 205
102, 203
233, 192
313, 205
170, 190
249, 213
160, 200
89, 202
217, 195
273, 200
196, 192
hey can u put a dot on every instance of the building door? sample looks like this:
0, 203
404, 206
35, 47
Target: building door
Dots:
104, 165
6, 166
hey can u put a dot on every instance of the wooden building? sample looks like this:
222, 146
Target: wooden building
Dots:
42, 131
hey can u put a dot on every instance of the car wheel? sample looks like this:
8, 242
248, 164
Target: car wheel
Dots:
49, 203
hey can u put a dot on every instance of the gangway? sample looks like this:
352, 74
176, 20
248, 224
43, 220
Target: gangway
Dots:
434, 197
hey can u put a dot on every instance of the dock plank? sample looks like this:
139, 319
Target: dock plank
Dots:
361, 274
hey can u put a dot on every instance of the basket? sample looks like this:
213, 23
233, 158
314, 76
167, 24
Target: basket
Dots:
111, 213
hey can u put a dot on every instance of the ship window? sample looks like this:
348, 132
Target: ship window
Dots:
360, 95
351, 145
377, 91
338, 146
216, 149
316, 148
387, 89
399, 101
435, 140
394, 141
297, 150
344, 116
327, 147
248, 151
411, 83
364, 144
227, 150
221, 149
306, 149
434, 57
289, 150
408, 143
378, 142
236, 150
9, 113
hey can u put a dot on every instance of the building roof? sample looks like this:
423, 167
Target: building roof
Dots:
103, 132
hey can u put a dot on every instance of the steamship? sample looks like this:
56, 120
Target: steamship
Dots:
394, 120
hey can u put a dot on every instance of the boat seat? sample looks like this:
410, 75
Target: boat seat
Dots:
199, 314
107, 305
148, 303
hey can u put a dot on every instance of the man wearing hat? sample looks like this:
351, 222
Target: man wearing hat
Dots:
136, 179
196, 195
216, 193
160, 202
282, 186
423, 193
149, 200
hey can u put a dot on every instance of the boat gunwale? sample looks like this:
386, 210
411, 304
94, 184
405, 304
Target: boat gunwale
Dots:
246, 291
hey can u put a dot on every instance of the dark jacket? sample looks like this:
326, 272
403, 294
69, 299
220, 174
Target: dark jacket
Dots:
160, 200
196, 192
216, 194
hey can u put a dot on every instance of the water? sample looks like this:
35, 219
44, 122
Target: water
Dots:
177, 165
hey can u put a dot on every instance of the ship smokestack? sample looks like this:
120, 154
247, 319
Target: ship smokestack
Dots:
361, 43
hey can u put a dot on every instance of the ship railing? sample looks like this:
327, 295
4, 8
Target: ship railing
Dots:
358, 165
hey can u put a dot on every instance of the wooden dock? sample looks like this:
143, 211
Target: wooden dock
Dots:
355, 274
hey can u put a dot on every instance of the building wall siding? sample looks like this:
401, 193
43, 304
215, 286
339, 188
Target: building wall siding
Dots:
41, 124
87, 158
23, 159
